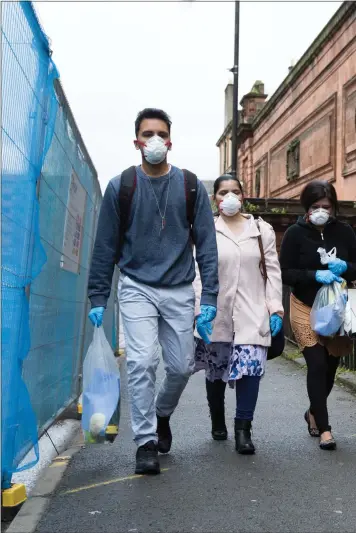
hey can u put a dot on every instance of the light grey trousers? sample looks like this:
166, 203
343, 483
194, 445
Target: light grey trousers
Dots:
152, 317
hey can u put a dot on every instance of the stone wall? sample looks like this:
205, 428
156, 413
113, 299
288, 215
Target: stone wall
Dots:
318, 111
307, 128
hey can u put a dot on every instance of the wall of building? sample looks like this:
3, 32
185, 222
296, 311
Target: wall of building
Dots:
309, 123
319, 111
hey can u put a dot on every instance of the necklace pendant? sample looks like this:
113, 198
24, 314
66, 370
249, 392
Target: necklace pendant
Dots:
163, 223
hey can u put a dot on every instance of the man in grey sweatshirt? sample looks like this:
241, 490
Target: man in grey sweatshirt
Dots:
157, 268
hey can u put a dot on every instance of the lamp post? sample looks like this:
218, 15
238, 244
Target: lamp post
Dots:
235, 96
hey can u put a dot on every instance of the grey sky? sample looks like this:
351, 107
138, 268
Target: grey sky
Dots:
117, 58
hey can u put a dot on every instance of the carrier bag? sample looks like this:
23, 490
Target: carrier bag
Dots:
328, 311
101, 391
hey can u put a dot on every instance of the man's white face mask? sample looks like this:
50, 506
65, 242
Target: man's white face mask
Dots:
155, 150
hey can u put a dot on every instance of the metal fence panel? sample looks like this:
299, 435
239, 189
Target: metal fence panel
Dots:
50, 204
28, 113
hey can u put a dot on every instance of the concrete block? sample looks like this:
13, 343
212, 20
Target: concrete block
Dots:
50, 479
29, 516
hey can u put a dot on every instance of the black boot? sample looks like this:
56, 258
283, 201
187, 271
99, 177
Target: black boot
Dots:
215, 391
147, 459
164, 434
244, 444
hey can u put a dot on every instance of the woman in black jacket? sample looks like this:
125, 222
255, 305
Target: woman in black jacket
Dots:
304, 273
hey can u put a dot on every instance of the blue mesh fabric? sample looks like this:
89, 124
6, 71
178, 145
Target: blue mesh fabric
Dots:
28, 115
45, 330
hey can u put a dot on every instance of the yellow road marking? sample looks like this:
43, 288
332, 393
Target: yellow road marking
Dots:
110, 482
58, 463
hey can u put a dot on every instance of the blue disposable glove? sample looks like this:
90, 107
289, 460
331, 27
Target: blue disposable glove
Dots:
204, 326
337, 266
208, 312
276, 324
96, 316
204, 329
326, 277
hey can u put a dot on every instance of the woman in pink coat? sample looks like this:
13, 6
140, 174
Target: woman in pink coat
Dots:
249, 312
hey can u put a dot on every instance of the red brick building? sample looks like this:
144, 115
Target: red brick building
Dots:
307, 128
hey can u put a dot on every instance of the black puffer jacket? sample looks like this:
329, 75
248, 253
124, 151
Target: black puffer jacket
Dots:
300, 259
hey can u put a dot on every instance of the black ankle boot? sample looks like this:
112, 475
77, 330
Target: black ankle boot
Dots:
164, 434
215, 391
244, 444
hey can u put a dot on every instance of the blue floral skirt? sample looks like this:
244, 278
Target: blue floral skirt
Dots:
229, 362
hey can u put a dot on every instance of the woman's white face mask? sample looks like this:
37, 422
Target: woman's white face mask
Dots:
319, 217
231, 205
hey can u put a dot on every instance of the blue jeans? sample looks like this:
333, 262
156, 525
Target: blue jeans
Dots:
246, 396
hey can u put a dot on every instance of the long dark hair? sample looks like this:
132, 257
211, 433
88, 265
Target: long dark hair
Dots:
226, 177
317, 190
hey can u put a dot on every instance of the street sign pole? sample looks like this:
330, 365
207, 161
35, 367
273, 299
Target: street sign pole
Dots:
235, 96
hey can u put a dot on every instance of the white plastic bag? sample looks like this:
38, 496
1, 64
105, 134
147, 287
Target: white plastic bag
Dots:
101, 388
328, 311
349, 326
326, 257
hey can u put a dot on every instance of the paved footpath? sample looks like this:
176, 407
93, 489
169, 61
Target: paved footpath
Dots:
290, 485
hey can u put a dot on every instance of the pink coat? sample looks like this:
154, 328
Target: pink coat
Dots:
244, 304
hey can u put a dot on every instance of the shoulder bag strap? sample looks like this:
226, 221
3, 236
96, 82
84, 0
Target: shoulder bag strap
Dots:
263, 267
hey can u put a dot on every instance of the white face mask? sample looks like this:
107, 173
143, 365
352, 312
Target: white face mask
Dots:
155, 150
231, 205
319, 217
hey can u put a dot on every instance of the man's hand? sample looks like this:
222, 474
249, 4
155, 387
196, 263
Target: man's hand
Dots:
208, 312
96, 316
204, 326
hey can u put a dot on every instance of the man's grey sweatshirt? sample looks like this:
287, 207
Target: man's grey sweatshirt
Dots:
152, 255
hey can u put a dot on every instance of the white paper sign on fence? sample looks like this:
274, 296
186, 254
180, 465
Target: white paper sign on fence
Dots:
73, 228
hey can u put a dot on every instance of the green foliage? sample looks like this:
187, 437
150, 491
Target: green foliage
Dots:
250, 208
279, 210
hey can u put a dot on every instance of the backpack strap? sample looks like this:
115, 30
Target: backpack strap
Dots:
128, 183
263, 267
191, 185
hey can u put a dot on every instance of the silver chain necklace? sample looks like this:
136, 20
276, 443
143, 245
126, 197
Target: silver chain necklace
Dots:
162, 215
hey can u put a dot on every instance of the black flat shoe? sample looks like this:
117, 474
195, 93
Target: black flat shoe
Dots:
313, 432
329, 444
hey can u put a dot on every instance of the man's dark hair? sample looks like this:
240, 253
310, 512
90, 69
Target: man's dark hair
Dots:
317, 190
151, 112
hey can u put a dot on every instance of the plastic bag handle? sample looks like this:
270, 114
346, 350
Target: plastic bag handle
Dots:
99, 334
332, 253
326, 257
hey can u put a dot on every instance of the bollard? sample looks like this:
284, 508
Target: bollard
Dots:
12, 500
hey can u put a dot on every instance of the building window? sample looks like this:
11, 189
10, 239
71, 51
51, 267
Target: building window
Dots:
258, 183
293, 160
